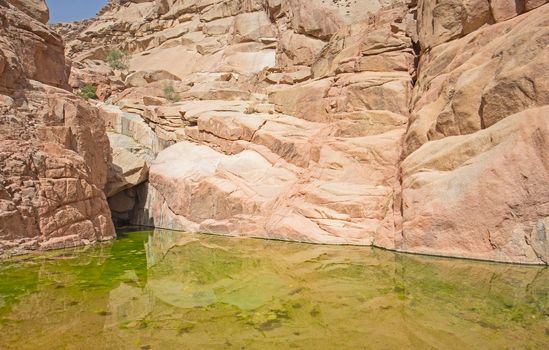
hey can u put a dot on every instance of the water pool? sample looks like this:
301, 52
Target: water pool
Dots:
169, 290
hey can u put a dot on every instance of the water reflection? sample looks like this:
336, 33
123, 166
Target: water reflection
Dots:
173, 290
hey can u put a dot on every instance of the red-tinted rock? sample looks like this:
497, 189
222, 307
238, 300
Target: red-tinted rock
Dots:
53, 147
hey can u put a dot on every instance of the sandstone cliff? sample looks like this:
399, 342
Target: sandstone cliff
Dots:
415, 126
418, 126
53, 147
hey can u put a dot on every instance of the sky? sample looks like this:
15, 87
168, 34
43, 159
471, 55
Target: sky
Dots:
73, 10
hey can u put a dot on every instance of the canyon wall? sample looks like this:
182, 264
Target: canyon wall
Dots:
413, 126
475, 169
418, 126
53, 146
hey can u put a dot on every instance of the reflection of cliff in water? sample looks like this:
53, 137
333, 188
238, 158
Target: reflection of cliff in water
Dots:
208, 290
62, 297
198, 291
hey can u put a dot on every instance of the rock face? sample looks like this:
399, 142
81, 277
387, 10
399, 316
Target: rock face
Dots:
30, 50
37, 9
253, 157
53, 147
472, 83
475, 170
418, 126
134, 145
482, 195
261, 193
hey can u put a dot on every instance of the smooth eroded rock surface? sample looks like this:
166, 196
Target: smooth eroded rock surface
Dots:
412, 125
482, 195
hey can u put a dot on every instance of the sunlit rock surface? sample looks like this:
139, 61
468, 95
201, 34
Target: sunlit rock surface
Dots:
482, 195
262, 149
335, 122
53, 147
409, 125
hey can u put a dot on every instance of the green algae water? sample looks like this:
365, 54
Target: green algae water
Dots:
169, 290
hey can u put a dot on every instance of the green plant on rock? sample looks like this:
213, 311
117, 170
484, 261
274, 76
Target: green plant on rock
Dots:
170, 94
88, 92
117, 59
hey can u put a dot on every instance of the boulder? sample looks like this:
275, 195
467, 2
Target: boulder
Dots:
320, 99
130, 164
298, 49
442, 21
252, 26
503, 10
143, 78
